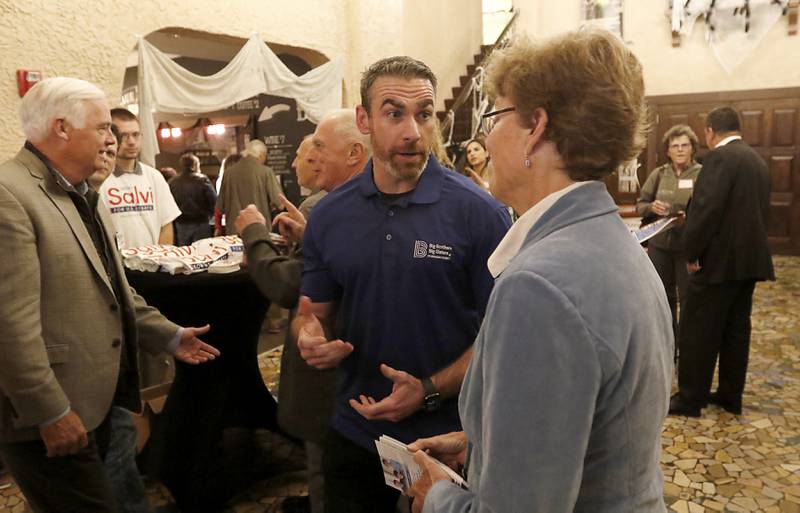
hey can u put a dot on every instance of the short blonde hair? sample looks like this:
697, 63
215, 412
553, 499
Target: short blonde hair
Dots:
591, 87
438, 148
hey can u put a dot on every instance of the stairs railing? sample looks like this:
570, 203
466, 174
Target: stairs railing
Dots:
474, 90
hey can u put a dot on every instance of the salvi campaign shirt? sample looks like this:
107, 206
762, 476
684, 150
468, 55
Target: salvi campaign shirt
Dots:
140, 203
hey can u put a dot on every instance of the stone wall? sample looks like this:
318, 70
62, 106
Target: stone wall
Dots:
93, 41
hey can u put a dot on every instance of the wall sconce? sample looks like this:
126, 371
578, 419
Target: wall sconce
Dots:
166, 131
218, 129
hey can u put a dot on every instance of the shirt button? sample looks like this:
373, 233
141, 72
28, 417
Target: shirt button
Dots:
390, 213
388, 236
116, 342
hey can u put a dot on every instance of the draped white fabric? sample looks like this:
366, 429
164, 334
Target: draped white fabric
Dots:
165, 86
729, 41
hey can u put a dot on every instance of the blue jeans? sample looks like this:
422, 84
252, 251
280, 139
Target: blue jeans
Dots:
186, 233
120, 464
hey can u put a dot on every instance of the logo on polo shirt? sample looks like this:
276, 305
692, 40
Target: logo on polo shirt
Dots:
424, 249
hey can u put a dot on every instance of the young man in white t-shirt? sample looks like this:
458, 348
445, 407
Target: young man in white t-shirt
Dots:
141, 204
142, 210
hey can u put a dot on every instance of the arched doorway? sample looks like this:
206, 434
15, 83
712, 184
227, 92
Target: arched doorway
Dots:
215, 135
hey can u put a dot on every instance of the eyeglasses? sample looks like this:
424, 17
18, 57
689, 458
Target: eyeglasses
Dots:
683, 146
488, 119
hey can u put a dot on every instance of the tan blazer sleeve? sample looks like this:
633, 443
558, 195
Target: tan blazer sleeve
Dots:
154, 331
26, 377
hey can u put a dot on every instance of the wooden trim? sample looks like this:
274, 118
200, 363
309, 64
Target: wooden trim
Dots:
768, 100
725, 96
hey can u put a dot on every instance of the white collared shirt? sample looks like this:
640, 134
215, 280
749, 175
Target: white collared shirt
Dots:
515, 237
727, 140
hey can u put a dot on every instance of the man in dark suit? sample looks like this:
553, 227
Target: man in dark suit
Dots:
725, 242
70, 323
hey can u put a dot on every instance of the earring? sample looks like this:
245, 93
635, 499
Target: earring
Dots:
527, 162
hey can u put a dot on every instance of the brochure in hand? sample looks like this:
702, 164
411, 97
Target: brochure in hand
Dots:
400, 471
649, 231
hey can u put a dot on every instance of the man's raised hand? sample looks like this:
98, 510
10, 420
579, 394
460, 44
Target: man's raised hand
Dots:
314, 347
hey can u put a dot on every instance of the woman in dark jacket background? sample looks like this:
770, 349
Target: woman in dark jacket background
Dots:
196, 198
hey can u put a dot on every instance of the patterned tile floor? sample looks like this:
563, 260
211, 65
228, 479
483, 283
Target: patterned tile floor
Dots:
722, 462
719, 462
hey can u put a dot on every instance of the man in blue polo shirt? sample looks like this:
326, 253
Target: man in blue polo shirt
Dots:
397, 284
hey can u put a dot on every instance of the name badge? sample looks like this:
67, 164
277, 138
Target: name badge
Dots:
685, 184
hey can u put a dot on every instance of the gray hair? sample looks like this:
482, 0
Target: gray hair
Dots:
255, 149
56, 98
346, 129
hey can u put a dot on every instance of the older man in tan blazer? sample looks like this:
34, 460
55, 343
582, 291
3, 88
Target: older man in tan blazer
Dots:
70, 324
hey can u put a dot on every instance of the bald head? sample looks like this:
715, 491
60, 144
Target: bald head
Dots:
340, 149
305, 165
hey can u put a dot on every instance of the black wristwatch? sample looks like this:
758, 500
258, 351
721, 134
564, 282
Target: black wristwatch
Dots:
433, 399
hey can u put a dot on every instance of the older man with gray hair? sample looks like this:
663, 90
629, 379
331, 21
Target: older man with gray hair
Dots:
340, 151
305, 401
71, 324
247, 182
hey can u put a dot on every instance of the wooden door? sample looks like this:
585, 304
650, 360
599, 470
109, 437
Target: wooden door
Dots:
770, 124
770, 127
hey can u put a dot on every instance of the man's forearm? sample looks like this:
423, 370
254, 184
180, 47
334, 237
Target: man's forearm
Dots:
448, 380
328, 326
326, 317
155, 332
165, 237
277, 276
